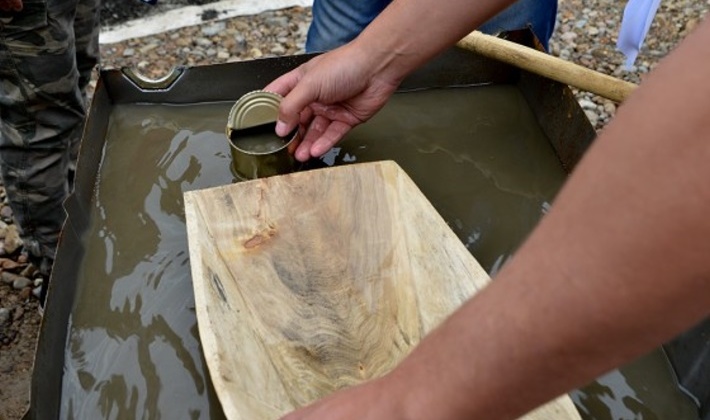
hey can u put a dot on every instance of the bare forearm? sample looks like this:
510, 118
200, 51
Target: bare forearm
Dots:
410, 32
619, 265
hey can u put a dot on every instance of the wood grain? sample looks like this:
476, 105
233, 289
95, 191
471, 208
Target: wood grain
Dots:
314, 281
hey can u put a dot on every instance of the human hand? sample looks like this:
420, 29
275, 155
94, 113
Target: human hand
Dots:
370, 401
11, 5
328, 96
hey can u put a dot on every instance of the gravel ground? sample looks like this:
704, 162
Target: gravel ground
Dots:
275, 33
586, 34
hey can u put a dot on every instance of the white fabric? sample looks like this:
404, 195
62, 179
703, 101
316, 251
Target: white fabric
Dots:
637, 19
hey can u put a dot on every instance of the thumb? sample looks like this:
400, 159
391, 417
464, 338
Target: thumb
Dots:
295, 98
299, 98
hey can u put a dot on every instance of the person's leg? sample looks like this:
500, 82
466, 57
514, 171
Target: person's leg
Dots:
41, 111
86, 34
337, 22
539, 15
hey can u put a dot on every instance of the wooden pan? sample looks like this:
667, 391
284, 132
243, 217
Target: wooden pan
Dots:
314, 281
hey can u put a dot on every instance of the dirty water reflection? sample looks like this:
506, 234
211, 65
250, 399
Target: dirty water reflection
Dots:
133, 350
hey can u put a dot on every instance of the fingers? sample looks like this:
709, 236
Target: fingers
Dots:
283, 86
320, 136
285, 83
302, 95
332, 135
296, 99
307, 116
335, 113
314, 131
306, 91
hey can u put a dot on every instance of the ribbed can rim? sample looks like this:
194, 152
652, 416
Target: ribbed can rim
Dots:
251, 109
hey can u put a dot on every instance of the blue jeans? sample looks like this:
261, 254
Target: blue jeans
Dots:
337, 22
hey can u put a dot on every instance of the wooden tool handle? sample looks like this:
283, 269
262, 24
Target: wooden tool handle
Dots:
548, 66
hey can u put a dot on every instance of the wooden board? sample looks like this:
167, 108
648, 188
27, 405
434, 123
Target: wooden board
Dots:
314, 281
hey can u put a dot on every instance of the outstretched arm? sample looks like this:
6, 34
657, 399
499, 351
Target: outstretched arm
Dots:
338, 90
618, 266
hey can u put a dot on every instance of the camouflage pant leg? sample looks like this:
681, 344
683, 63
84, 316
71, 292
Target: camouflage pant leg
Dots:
86, 34
42, 113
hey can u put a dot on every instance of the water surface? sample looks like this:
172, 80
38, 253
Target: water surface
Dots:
133, 349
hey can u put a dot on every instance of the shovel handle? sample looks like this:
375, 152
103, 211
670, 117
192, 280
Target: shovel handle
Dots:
548, 66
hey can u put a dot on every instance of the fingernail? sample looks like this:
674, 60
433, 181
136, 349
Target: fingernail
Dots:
281, 128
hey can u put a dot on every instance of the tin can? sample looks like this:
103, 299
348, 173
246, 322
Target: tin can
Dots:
257, 151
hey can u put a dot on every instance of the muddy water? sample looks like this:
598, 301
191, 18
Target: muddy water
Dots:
261, 142
133, 348
645, 389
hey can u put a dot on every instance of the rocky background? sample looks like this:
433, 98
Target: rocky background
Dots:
585, 34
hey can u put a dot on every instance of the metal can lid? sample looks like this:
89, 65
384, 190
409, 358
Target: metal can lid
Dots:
252, 109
